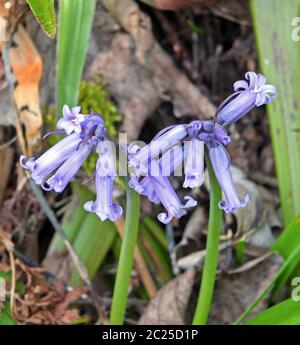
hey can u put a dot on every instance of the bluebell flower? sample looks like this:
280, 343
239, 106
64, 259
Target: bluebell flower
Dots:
57, 167
158, 160
194, 167
104, 207
43, 166
247, 95
71, 120
139, 158
221, 165
158, 189
64, 159
193, 138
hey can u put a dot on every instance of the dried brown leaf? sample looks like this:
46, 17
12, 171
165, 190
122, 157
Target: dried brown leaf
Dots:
175, 302
169, 306
27, 68
235, 292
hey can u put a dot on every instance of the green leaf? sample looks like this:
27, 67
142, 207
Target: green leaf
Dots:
159, 256
194, 26
279, 57
92, 244
157, 231
6, 317
284, 313
288, 246
72, 220
45, 15
285, 245
289, 239
75, 22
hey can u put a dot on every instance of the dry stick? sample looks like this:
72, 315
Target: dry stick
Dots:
140, 263
8, 143
81, 269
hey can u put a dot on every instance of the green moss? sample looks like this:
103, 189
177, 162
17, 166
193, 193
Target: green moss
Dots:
91, 96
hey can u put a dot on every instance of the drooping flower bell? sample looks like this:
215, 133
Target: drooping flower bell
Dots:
221, 165
104, 207
57, 167
157, 187
248, 94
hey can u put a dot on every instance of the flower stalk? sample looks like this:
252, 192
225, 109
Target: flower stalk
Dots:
120, 294
212, 250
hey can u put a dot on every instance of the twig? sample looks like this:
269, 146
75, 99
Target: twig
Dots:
139, 263
8, 143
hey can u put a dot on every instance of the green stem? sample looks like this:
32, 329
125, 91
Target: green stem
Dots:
212, 250
120, 294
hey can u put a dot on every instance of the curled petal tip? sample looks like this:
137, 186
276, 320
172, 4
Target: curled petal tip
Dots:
190, 202
227, 207
117, 212
89, 206
114, 213
23, 165
164, 218
30, 163
47, 189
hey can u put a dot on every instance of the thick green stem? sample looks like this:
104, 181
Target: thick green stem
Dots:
120, 294
212, 250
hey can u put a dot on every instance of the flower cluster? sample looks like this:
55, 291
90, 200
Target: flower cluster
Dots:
58, 166
151, 165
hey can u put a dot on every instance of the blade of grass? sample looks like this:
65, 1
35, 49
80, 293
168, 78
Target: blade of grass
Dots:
288, 246
6, 318
285, 244
290, 260
75, 22
116, 248
45, 15
120, 293
72, 220
284, 313
212, 250
289, 239
279, 58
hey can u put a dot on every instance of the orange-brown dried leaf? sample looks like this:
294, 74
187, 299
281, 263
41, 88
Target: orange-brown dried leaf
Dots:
27, 67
